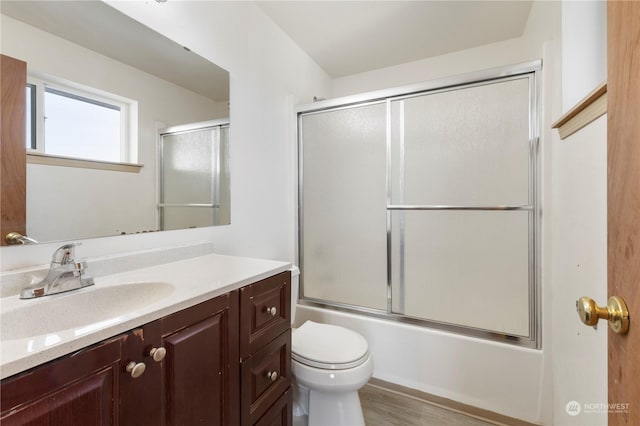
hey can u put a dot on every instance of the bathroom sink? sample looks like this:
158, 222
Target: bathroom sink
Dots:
81, 311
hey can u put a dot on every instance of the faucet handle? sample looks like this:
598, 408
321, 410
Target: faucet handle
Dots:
64, 254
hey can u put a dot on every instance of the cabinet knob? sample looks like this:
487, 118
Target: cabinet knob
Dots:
273, 311
158, 354
273, 375
136, 369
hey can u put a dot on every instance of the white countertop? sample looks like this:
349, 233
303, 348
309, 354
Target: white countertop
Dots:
64, 323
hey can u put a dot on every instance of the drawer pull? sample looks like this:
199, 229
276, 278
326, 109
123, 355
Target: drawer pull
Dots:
273, 311
273, 375
136, 369
158, 354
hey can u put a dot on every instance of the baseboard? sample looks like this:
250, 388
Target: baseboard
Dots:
486, 415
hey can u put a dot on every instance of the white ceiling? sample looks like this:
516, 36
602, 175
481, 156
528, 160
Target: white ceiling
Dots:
349, 37
103, 29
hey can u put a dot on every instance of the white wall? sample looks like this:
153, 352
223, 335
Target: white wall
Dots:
502, 378
579, 222
268, 74
584, 49
104, 202
579, 229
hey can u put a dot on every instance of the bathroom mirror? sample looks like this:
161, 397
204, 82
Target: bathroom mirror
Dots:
90, 47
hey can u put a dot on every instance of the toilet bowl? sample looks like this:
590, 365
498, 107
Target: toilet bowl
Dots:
329, 364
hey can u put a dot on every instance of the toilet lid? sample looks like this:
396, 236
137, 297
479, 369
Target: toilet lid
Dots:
328, 346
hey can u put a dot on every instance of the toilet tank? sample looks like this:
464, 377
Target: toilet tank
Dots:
295, 286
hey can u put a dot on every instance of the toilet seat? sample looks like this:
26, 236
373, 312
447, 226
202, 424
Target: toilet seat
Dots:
328, 347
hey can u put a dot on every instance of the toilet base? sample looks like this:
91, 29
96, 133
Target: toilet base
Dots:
331, 409
300, 420
317, 408
300, 404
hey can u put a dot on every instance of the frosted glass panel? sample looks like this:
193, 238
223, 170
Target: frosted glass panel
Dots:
344, 206
188, 217
195, 171
463, 268
466, 146
223, 213
188, 164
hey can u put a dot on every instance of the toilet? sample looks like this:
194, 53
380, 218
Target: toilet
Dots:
329, 364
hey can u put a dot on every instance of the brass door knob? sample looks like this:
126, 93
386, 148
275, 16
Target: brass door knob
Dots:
615, 312
17, 238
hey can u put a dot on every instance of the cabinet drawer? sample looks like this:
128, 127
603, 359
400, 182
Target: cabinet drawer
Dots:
265, 376
280, 413
265, 312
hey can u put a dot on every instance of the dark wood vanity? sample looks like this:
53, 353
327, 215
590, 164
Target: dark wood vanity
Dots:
225, 361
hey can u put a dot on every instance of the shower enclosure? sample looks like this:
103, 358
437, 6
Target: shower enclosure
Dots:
420, 204
193, 188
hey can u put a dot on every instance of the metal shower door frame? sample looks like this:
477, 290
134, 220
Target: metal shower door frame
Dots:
530, 70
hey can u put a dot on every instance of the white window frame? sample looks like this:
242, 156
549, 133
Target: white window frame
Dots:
128, 115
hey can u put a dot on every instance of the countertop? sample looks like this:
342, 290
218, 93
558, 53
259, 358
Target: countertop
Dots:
51, 331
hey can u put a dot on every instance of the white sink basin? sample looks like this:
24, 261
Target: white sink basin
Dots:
81, 310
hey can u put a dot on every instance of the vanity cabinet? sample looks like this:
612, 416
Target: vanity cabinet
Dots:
193, 378
225, 362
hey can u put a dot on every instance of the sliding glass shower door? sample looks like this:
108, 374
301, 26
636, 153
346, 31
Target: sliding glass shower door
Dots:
421, 207
344, 200
461, 205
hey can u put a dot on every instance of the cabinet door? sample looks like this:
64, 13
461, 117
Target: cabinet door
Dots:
79, 389
200, 370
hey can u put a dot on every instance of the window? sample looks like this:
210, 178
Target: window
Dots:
77, 123
31, 124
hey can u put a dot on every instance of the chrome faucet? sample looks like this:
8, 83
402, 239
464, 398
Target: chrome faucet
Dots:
65, 274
